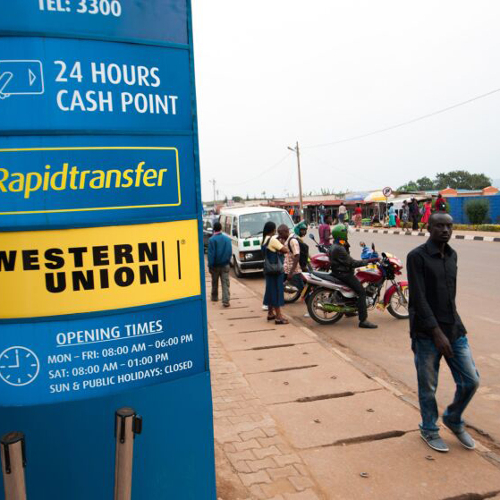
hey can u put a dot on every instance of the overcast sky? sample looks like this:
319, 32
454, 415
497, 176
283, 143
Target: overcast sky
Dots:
270, 72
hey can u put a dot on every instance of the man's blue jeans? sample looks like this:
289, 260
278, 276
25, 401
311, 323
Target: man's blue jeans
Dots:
465, 374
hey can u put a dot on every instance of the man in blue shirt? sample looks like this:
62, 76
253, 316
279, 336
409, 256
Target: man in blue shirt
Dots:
219, 256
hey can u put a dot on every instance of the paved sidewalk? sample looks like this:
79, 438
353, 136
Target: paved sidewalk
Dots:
457, 234
295, 420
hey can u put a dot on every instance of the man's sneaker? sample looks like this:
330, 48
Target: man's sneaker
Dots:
214, 300
367, 324
434, 441
226, 304
463, 436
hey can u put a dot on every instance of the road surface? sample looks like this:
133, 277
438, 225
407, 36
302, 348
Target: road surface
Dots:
388, 348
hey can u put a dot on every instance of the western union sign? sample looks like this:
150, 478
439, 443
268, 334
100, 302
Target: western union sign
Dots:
50, 273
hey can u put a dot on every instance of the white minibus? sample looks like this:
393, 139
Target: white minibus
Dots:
244, 226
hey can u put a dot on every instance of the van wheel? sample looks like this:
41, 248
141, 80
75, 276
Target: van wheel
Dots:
237, 270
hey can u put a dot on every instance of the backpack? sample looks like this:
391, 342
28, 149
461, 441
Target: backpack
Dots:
304, 253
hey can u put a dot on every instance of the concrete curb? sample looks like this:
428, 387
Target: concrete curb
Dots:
404, 232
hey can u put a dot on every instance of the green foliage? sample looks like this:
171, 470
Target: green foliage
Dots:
477, 210
425, 184
493, 228
238, 199
461, 179
457, 179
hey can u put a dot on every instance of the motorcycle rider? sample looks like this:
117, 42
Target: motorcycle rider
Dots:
343, 265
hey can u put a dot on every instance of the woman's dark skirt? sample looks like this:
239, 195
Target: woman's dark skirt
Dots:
275, 293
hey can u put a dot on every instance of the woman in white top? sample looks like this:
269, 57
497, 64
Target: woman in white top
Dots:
274, 296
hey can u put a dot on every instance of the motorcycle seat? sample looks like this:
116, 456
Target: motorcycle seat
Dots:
327, 277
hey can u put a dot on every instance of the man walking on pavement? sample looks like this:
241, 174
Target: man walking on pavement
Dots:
437, 330
219, 256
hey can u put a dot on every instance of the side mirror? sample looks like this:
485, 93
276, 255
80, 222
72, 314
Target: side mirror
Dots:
235, 233
311, 236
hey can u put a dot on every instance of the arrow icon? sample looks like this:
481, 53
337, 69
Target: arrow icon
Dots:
32, 77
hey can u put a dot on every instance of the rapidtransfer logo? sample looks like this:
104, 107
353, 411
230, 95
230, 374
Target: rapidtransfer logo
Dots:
75, 178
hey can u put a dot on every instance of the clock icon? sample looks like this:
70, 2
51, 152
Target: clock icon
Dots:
19, 366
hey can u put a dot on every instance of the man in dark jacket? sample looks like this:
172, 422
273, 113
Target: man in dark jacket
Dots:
343, 265
437, 330
414, 214
219, 256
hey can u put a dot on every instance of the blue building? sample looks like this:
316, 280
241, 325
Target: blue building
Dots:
458, 199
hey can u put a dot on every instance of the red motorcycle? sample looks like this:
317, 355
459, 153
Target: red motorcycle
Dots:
328, 299
320, 261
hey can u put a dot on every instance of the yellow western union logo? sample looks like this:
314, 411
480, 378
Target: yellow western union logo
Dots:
50, 273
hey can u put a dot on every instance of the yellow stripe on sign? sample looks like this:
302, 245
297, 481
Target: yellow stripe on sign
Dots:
50, 273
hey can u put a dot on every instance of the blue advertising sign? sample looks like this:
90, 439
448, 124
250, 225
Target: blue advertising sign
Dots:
143, 21
101, 254
84, 86
68, 360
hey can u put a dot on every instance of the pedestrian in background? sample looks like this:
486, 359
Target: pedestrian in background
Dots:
440, 205
437, 330
358, 216
273, 250
342, 213
392, 215
427, 209
325, 232
414, 214
405, 214
219, 255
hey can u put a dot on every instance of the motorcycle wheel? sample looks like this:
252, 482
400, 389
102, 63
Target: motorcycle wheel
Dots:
397, 306
292, 293
317, 314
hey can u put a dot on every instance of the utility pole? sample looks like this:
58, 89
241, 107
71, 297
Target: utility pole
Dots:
297, 150
213, 182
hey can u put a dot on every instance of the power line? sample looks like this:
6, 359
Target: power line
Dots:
259, 175
403, 124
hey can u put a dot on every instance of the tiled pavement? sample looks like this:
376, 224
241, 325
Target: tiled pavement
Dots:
295, 420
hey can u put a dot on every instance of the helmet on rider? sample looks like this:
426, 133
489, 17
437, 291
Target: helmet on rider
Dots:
300, 229
339, 233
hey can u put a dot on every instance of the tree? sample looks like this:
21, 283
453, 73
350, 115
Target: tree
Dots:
425, 184
411, 186
461, 179
457, 179
247, 197
237, 199
477, 210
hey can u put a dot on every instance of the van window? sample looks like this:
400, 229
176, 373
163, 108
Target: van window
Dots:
253, 224
235, 227
227, 225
